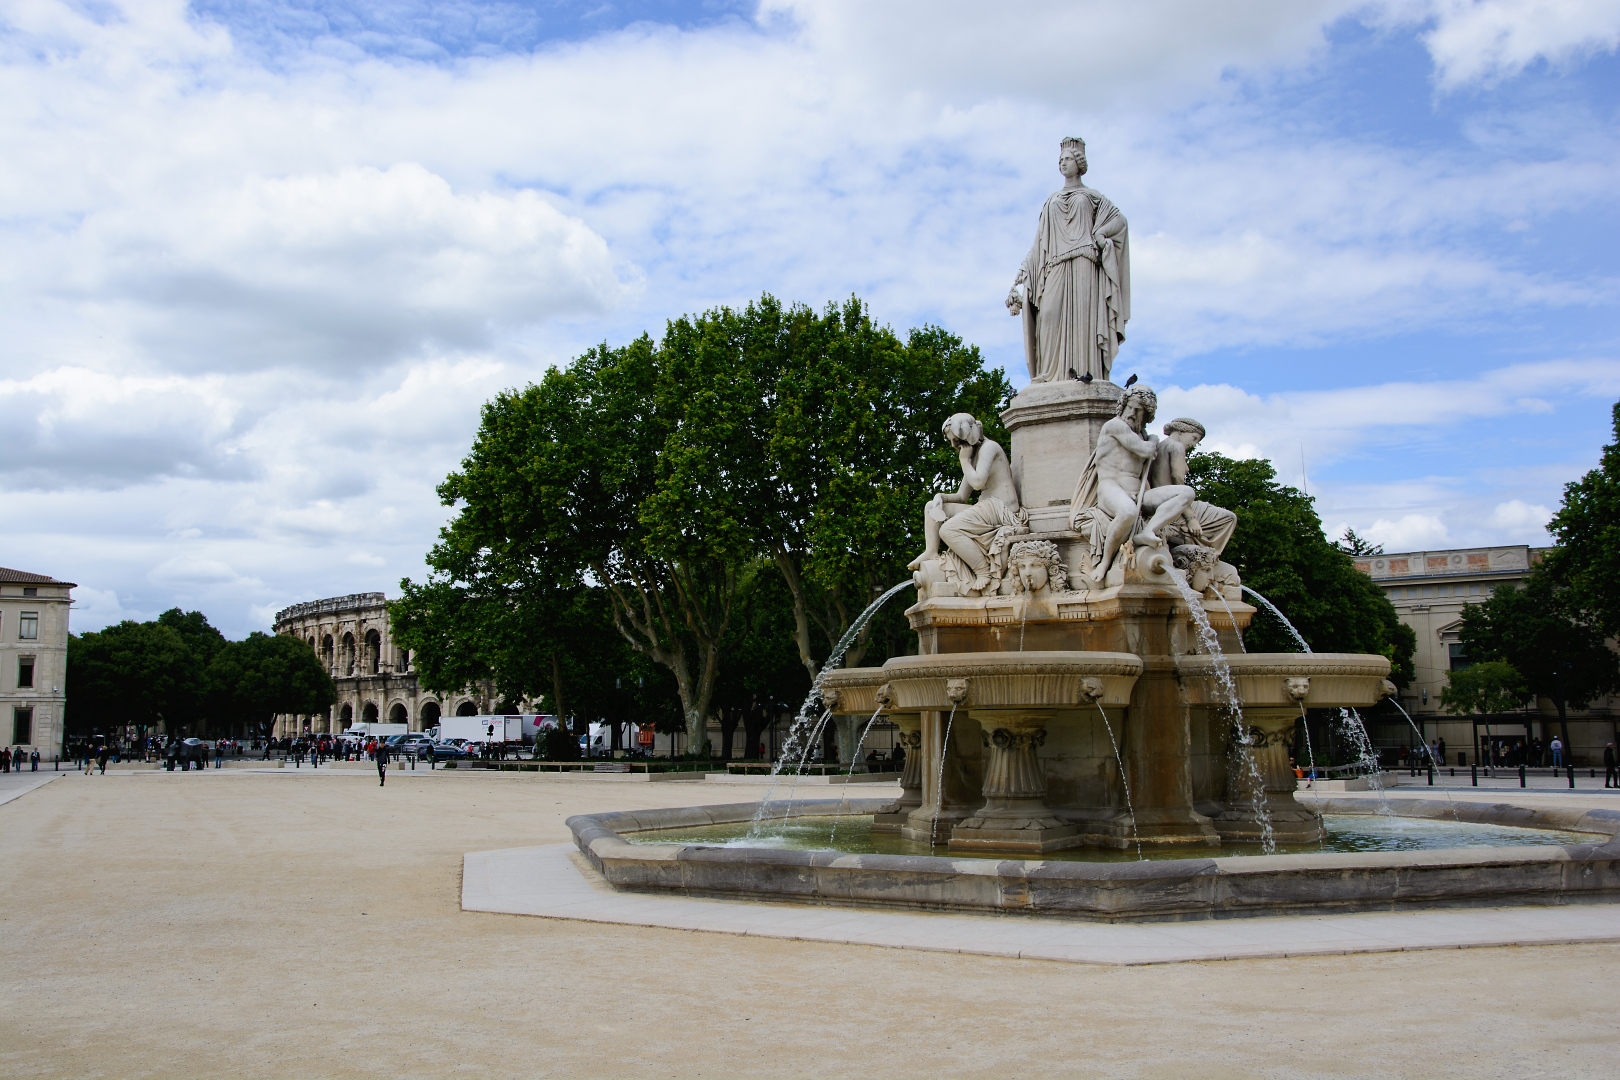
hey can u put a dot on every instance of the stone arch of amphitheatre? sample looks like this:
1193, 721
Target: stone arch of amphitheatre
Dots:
374, 677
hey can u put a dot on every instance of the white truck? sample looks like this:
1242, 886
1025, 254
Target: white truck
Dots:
375, 730
498, 728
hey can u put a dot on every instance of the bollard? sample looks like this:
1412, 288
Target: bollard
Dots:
1521, 776
1571, 777
1431, 774
1473, 771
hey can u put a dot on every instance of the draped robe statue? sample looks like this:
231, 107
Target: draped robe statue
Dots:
1076, 280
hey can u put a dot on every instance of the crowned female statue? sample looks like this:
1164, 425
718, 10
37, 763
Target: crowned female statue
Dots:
1076, 280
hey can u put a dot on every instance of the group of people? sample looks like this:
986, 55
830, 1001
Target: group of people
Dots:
19, 757
1534, 754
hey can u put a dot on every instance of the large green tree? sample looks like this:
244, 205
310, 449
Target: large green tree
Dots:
1548, 639
264, 675
660, 473
1281, 552
852, 451
131, 674
1587, 529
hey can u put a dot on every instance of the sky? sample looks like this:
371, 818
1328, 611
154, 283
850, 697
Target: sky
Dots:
262, 262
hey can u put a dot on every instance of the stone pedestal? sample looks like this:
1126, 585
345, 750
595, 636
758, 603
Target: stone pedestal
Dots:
1054, 427
1157, 756
892, 818
954, 742
1291, 823
1014, 817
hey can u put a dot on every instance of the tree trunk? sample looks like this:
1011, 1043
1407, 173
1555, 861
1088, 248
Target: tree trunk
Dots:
728, 729
556, 692
801, 608
755, 721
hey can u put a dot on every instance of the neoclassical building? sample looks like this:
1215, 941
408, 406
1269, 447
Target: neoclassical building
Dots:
374, 678
33, 659
1430, 590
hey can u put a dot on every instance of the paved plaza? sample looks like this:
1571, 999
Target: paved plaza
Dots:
239, 923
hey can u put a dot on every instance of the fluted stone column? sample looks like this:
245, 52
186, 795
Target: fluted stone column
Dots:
892, 818
1291, 823
1014, 817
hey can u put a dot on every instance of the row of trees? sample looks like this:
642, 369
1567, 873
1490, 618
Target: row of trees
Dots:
681, 528
179, 672
1550, 638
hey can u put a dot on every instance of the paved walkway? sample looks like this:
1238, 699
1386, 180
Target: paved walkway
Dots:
557, 882
15, 785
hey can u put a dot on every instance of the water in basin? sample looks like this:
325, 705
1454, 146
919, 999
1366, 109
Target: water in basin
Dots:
1345, 832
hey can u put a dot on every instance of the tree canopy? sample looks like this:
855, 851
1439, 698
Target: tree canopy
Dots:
1586, 561
1492, 687
1560, 654
179, 671
654, 479
265, 674
131, 674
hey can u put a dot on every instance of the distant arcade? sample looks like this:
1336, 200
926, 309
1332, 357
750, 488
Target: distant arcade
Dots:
375, 681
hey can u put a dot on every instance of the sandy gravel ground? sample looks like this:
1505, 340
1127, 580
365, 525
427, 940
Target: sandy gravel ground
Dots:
234, 924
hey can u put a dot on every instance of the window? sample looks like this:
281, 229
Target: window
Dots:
29, 590
22, 727
28, 626
25, 672
1459, 660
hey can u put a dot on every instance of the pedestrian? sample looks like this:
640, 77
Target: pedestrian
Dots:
101, 758
382, 766
1557, 751
33, 761
219, 754
1611, 771
1441, 745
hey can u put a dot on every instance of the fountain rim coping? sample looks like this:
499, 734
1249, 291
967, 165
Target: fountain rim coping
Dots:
598, 836
1106, 663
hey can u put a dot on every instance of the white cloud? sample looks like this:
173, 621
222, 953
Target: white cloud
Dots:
256, 310
341, 270
1330, 425
1518, 516
1412, 532
97, 609
1485, 41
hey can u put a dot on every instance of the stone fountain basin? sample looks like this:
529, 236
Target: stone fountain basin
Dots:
1010, 680
1270, 680
1162, 890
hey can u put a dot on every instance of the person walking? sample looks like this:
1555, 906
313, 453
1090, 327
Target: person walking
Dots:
101, 758
1611, 771
382, 765
33, 761
1557, 751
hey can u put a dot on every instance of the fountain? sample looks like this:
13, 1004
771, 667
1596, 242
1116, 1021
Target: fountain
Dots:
1080, 684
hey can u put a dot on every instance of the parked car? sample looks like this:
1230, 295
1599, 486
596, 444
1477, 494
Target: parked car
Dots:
449, 752
413, 743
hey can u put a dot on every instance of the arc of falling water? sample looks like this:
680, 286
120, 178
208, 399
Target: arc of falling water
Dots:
804, 717
1358, 733
939, 789
1124, 780
843, 796
1430, 752
1223, 674
1305, 722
